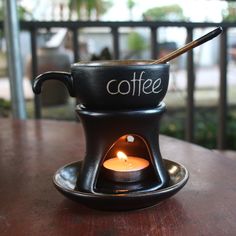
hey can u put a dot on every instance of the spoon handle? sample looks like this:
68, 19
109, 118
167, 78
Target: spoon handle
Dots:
189, 46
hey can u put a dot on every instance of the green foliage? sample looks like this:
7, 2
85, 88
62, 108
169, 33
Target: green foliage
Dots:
206, 127
90, 5
99, 6
173, 124
130, 4
5, 107
1, 11
136, 42
166, 13
230, 13
22, 12
231, 130
78, 5
102, 6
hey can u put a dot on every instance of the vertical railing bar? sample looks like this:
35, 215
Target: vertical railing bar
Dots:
75, 44
34, 67
223, 91
115, 40
153, 42
190, 90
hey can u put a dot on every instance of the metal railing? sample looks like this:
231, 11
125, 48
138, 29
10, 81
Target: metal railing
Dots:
74, 27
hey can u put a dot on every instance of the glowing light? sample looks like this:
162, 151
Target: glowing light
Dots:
122, 156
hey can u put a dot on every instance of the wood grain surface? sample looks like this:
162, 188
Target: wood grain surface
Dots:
31, 151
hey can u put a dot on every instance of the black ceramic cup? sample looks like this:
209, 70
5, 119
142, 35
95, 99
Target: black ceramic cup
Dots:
111, 85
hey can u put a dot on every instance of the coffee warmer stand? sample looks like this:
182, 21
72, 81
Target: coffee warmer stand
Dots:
136, 132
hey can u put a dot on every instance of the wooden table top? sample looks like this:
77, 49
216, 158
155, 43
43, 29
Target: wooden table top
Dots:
31, 151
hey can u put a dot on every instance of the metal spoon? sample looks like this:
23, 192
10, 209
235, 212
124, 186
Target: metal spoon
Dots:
189, 46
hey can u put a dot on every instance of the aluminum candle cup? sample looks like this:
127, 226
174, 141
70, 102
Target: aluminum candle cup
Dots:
113, 85
125, 168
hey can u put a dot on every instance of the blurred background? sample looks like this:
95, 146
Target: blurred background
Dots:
201, 100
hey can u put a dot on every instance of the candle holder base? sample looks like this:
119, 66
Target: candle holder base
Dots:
66, 177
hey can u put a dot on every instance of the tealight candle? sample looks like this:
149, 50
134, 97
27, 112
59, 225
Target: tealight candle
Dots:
125, 168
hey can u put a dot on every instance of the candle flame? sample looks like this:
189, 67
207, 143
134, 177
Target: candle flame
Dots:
122, 156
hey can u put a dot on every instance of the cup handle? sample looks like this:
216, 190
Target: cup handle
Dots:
63, 77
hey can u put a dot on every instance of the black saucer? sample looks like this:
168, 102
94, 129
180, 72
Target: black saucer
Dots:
65, 180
